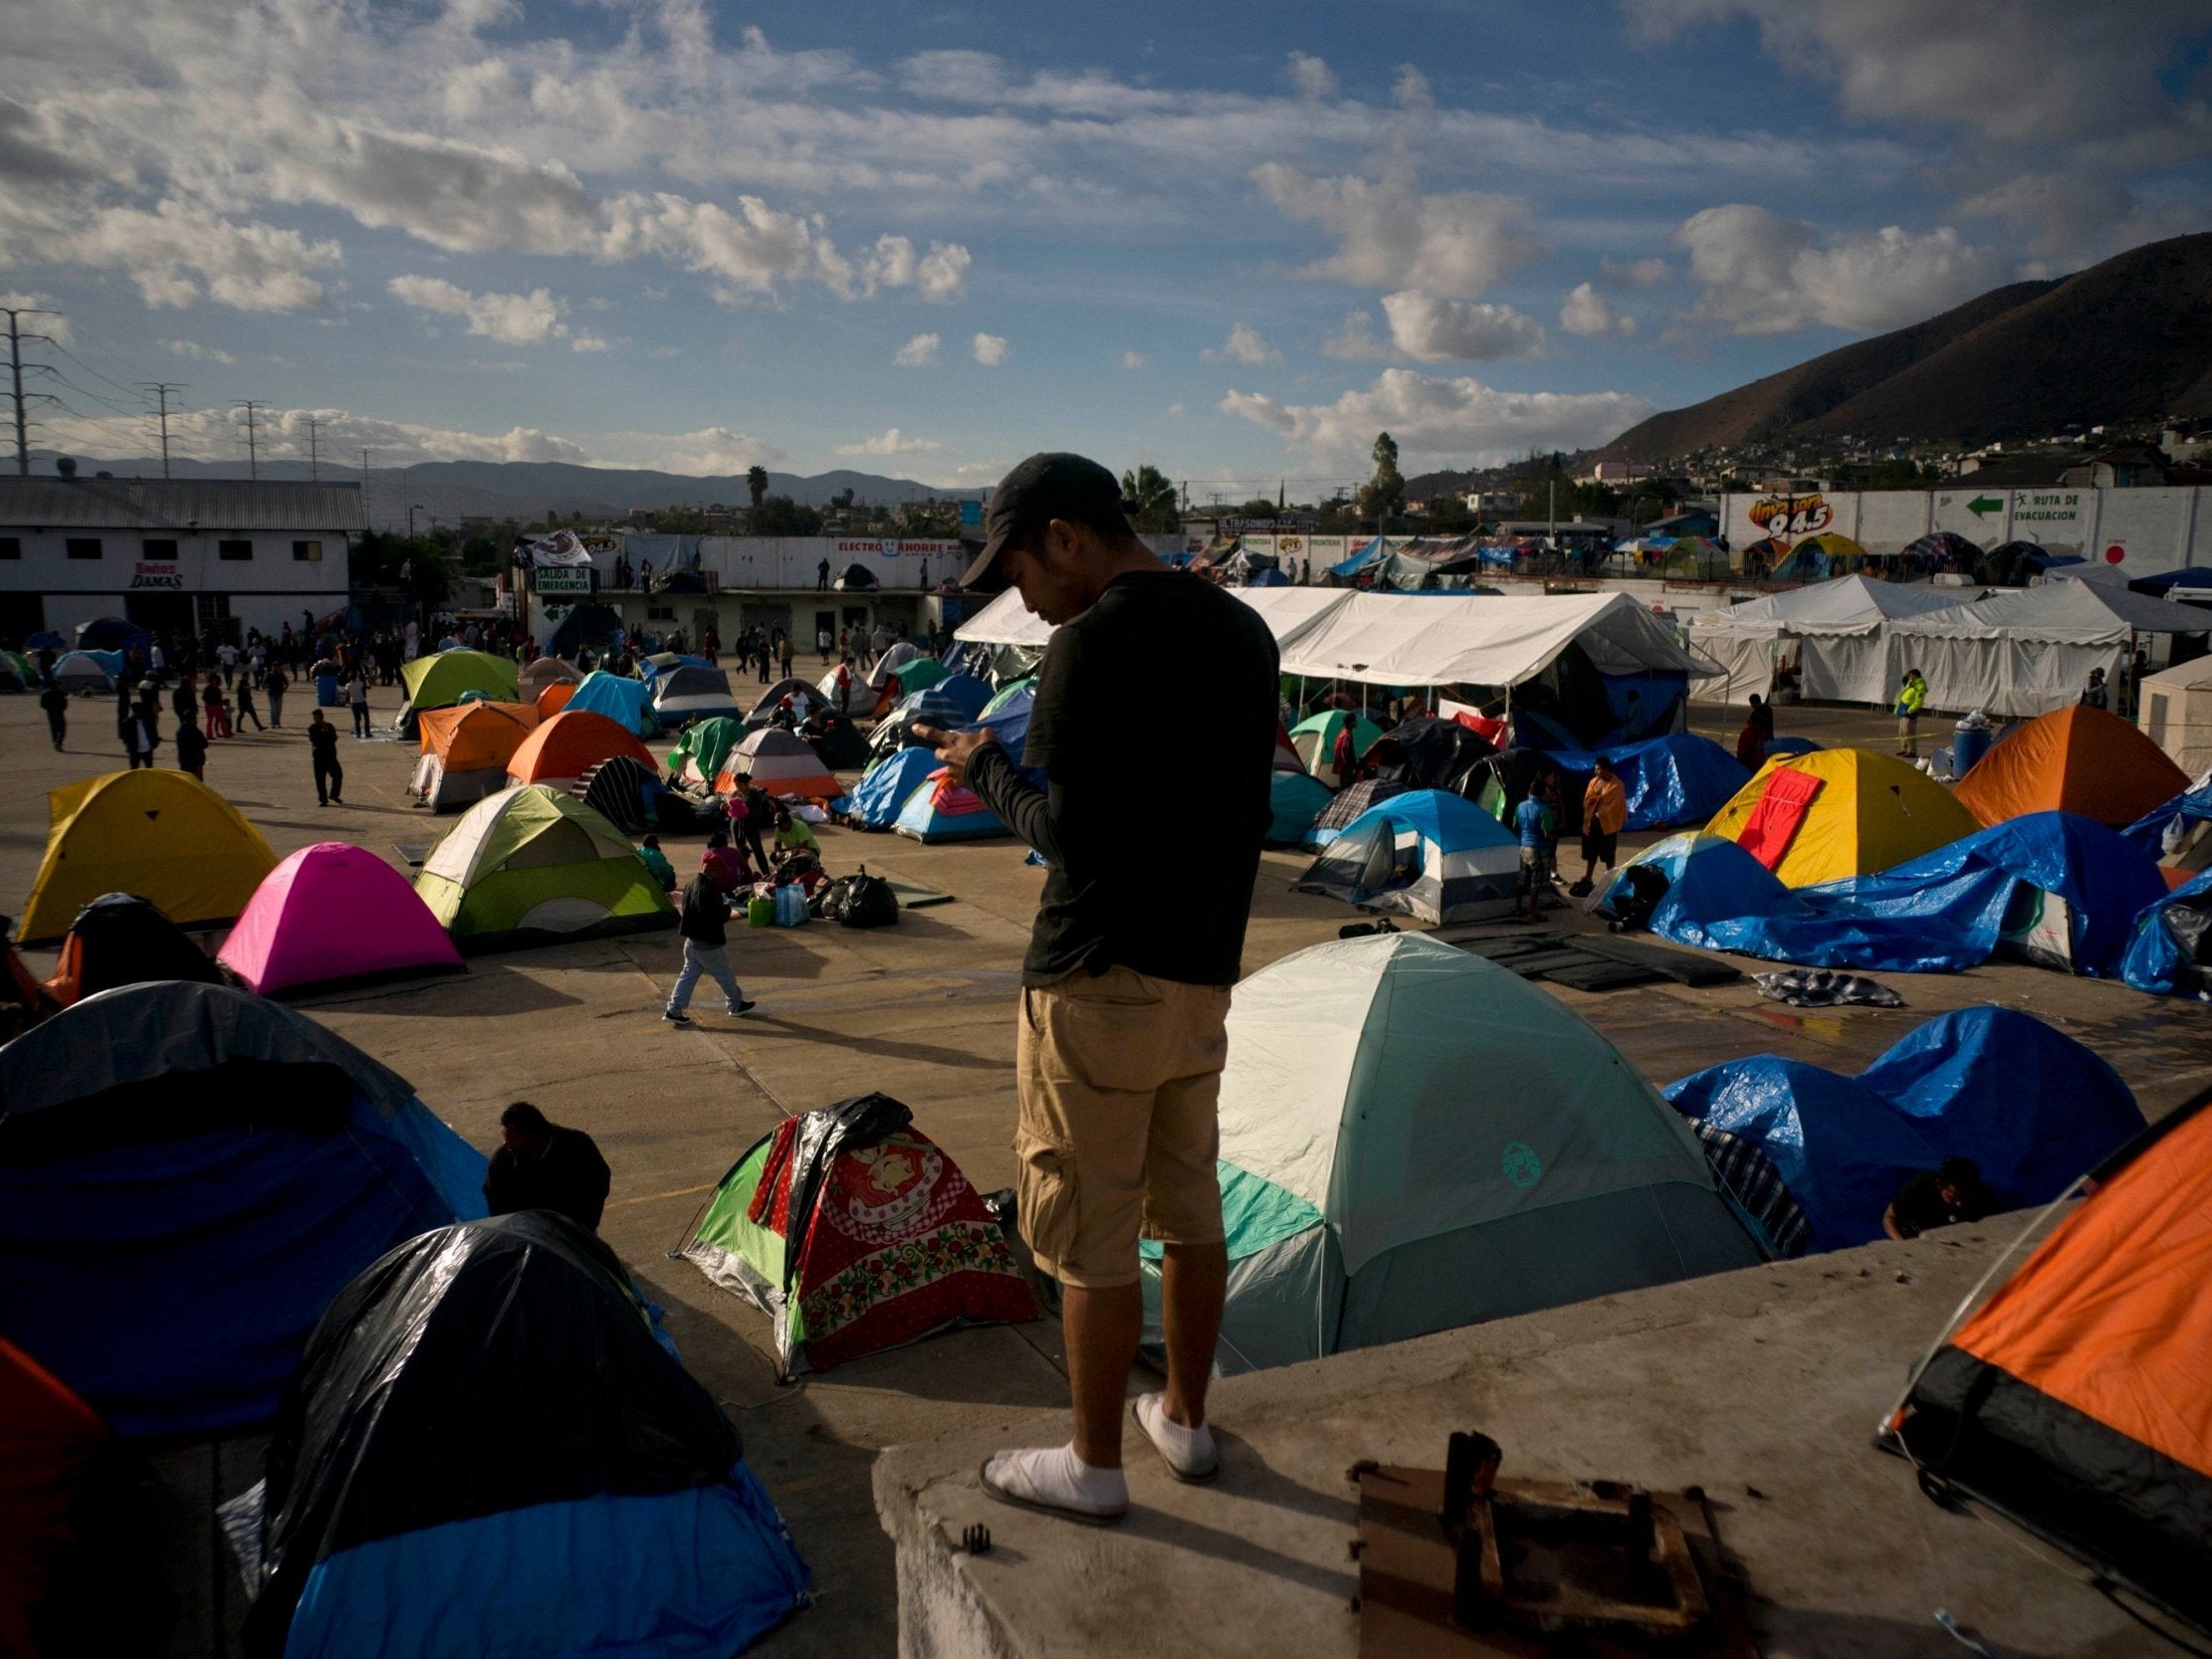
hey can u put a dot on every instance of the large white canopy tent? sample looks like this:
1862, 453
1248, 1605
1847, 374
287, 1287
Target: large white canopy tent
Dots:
2027, 651
1389, 639
2175, 713
1289, 612
1832, 629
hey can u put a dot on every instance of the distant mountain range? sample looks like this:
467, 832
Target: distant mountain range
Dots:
2126, 341
451, 491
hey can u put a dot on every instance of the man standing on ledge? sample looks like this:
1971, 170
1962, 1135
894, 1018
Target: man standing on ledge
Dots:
1124, 999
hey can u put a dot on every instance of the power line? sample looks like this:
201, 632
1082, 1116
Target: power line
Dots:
253, 447
15, 368
162, 389
314, 470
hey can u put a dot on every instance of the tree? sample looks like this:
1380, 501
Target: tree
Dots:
1380, 495
756, 483
1260, 507
780, 515
1151, 496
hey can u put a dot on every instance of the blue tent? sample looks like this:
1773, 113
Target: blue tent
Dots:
1368, 556
2190, 806
188, 1174
45, 639
1427, 854
1790, 745
1270, 578
624, 701
2028, 1104
113, 633
1681, 778
952, 701
883, 789
2195, 575
1295, 799
2172, 948
1943, 912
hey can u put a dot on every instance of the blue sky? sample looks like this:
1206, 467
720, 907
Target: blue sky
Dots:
1235, 240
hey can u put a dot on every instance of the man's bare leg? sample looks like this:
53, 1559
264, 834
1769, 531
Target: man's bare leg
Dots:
1100, 1329
1194, 1285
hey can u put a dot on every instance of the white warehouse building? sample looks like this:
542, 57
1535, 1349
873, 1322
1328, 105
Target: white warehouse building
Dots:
171, 554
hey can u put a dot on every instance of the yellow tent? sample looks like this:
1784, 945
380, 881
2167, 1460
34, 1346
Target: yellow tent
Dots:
162, 835
1840, 812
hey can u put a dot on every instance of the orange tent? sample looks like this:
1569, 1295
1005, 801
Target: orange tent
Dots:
555, 697
2080, 760
559, 749
47, 1441
2076, 1401
473, 734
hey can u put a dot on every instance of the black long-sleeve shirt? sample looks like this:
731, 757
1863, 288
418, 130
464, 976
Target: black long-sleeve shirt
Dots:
1158, 646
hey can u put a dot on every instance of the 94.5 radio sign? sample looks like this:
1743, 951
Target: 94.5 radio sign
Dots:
1791, 516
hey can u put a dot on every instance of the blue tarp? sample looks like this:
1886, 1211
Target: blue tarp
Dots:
699, 1573
1681, 778
1367, 556
2030, 1106
2155, 959
622, 699
1943, 912
2195, 575
2190, 806
877, 797
1295, 799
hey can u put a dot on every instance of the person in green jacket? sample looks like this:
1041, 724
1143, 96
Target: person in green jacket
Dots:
1910, 696
651, 856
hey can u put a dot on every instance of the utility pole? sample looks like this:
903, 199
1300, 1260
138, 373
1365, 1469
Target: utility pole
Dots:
313, 455
16, 338
161, 389
253, 448
365, 488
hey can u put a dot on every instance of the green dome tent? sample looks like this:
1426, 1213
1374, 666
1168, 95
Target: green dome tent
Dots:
704, 749
439, 681
1315, 738
532, 867
1413, 1138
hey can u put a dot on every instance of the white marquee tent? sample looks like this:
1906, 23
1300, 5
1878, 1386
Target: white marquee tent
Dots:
2176, 713
1833, 630
1392, 639
1288, 612
2027, 651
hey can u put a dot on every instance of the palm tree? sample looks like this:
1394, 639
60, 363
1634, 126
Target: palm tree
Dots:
756, 483
1151, 497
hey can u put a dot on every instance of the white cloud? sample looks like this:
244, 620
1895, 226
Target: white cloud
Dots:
990, 349
1135, 360
1636, 272
509, 319
1174, 411
1310, 78
1426, 329
918, 353
1409, 89
1243, 346
180, 252
1453, 245
588, 343
55, 323
1587, 312
193, 351
1458, 420
1761, 274
942, 272
709, 452
221, 434
1356, 340
892, 442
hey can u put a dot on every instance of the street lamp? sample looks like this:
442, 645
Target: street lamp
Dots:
413, 508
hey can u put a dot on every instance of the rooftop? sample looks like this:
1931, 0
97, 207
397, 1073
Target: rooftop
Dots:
182, 503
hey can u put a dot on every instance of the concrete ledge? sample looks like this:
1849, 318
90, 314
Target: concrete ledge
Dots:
1764, 1387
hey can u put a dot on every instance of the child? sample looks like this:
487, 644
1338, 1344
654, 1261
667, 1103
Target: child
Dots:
724, 863
651, 856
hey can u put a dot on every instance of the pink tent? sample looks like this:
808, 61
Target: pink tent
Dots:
334, 912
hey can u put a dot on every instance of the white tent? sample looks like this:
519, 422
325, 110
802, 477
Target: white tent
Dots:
1289, 612
2027, 651
1387, 638
2175, 713
1832, 629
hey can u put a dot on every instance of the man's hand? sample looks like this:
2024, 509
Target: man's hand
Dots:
955, 748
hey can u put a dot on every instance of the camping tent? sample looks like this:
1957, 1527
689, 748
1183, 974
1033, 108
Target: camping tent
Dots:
1387, 638
883, 789
531, 866
121, 939
953, 702
624, 791
2086, 761
901, 652
780, 763
489, 1451
2175, 713
464, 752
188, 1173
1289, 612
2072, 1401
83, 672
596, 626
860, 1189
1424, 752
1681, 778
624, 701
1294, 801
2028, 1104
703, 750
1839, 812
1831, 630
540, 672
1425, 854
690, 694
938, 811
1413, 1138
439, 681
563, 748
334, 913
52, 1447
113, 633
162, 835
2024, 651
1314, 737
772, 699
2172, 948
554, 698
916, 673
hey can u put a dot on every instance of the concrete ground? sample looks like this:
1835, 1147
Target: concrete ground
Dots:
923, 1011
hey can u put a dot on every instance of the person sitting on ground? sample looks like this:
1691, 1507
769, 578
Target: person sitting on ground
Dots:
651, 856
723, 863
1939, 1197
1605, 809
541, 1166
793, 836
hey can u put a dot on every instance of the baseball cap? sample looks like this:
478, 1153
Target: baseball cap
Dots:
1052, 484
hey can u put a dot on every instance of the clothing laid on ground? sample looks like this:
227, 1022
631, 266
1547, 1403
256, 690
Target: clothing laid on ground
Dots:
569, 1175
1155, 639
1921, 1205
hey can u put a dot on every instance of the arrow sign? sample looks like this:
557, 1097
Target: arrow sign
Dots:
1984, 503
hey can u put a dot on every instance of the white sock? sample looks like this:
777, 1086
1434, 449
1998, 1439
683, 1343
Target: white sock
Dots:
1055, 1475
1189, 1450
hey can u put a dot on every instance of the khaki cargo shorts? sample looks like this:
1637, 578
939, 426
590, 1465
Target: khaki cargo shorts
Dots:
1120, 1077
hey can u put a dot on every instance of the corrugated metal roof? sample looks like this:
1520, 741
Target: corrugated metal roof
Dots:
160, 503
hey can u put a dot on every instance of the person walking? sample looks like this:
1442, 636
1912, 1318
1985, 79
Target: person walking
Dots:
145, 725
784, 651
246, 709
356, 697
274, 685
55, 701
1120, 1037
184, 700
822, 643
191, 750
329, 776
702, 919
1910, 696
216, 716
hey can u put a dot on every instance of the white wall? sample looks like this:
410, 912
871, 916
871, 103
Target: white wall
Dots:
2150, 530
793, 561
